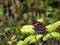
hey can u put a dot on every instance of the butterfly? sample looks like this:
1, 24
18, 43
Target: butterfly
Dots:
39, 27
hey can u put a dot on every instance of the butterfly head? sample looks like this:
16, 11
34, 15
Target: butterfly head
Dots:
34, 21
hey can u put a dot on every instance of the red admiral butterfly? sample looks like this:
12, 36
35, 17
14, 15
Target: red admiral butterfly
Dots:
39, 27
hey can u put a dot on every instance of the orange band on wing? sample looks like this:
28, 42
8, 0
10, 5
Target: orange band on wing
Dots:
39, 30
36, 24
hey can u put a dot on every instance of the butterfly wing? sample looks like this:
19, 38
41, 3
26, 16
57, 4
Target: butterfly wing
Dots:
39, 27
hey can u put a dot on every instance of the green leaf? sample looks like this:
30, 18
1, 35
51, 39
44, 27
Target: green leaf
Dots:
50, 35
40, 20
50, 8
27, 39
15, 28
30, 39
34, 40
19, 43
27, 29
47, 36
7, 29
53, 27
56, 35
13, 38
1, 11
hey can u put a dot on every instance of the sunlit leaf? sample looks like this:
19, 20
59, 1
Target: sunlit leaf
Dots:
47, 36
32, 38
51, 35
13, 38
40, 20
53, 27
9, 42
27, 29
19, 43
27, 39
55, 35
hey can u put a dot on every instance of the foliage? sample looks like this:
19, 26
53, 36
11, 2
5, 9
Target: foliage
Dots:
30, 39
16, 22
51, 33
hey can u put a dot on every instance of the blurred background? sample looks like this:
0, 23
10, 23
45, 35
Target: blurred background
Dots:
17, 13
